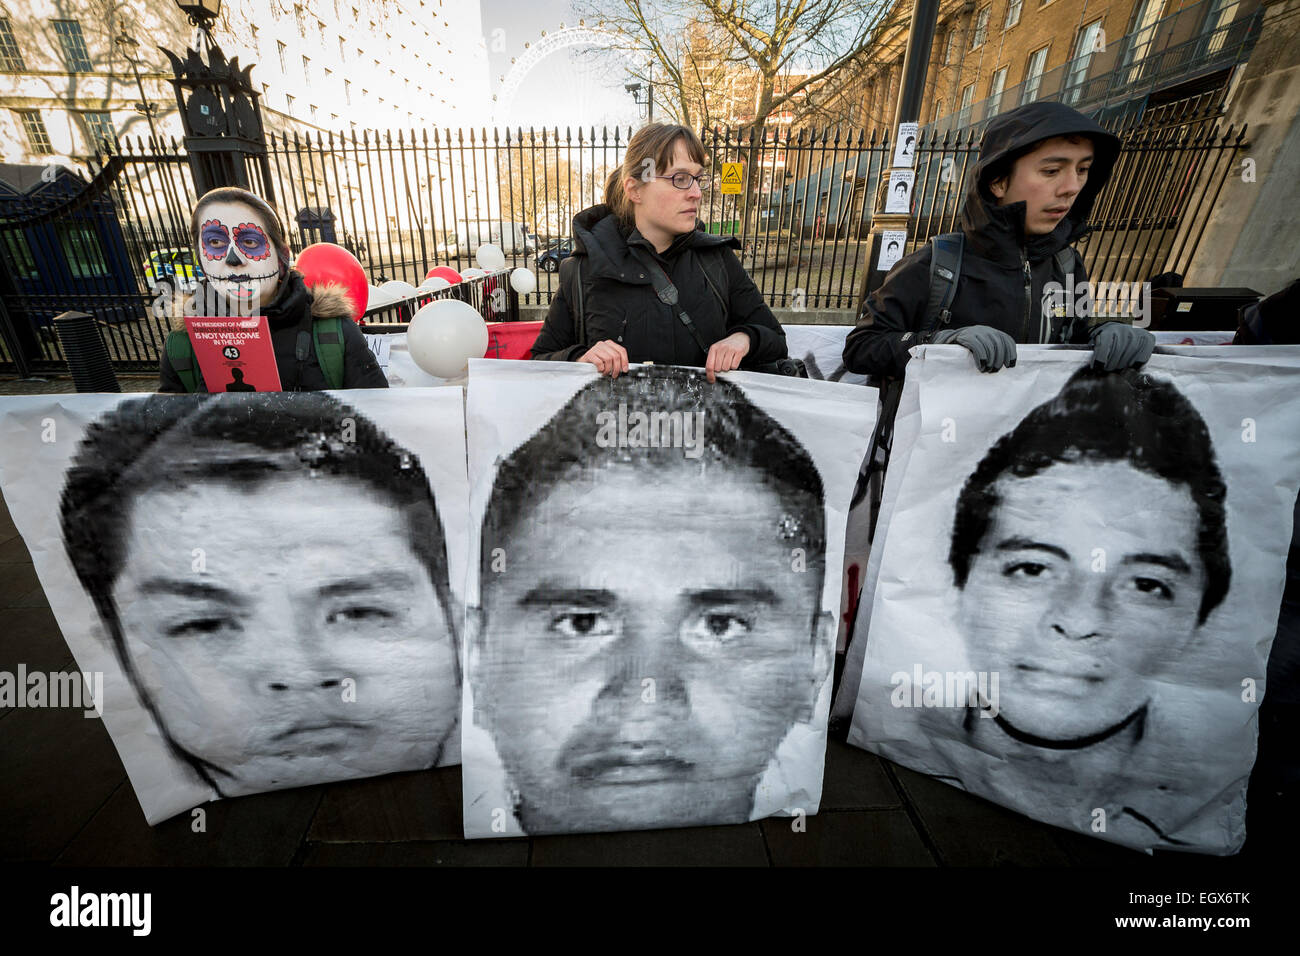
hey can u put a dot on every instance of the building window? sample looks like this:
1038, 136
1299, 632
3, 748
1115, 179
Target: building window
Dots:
11, 58
1220, 16
347, 91
343, 50
306, 68
20, 254
967, 96
82, 250
1033, 76
38, 140
311, 109
1077, 73
288, 103
996, 85
99, 127
981, 28
948, 45
1013, 14
74, 46
1139, 41
280, 48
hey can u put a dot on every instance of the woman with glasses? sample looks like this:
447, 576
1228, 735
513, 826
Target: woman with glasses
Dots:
646, 283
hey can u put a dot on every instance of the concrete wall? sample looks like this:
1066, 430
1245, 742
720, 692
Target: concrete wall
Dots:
1253, 235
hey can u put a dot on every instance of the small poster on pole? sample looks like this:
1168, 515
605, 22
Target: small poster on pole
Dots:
900, 190
892, 242
905, 145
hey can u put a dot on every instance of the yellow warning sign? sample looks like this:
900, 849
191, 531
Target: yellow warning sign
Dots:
733, 178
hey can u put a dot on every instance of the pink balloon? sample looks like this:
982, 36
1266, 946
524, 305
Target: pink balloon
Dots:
446, 272
325, 262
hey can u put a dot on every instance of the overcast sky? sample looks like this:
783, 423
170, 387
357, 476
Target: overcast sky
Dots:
566, 88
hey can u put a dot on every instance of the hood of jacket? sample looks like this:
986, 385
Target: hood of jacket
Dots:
997, 232
604, 240
328, 300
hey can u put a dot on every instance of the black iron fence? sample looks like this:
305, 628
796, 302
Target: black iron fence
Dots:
803, 209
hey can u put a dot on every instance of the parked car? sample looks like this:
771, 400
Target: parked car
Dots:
168, 271
550, 259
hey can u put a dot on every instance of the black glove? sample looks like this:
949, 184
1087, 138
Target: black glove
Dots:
991, 347
1117, 345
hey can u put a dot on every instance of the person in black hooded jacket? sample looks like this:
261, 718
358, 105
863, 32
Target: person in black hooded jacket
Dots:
649, 222
246, 265
1039, 171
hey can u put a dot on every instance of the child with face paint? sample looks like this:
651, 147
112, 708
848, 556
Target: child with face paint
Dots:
247, 270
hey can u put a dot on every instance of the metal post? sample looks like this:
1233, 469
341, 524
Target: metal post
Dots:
911, 89
920, 38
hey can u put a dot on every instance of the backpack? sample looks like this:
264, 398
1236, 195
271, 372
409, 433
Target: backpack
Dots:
327, 339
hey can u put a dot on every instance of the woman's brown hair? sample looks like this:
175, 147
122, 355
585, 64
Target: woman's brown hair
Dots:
651, 151
274, 230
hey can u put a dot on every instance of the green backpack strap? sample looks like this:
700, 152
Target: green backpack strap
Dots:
180, 353
327, 337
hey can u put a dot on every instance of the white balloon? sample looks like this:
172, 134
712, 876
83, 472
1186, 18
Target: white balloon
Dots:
434, 283
490, 257
472, 273
399, 290
523, 281
377, 296
445, 335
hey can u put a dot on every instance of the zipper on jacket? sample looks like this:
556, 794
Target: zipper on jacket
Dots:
1029, 296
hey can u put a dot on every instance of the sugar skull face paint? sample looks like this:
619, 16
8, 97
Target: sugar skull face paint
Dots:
214, 240
239, 259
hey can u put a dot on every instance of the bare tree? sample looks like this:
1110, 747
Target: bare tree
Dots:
784, 49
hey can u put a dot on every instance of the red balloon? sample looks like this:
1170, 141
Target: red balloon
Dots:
324, 262
446, 272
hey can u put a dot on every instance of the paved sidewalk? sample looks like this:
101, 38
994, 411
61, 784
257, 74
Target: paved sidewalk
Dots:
65, 799
55, 384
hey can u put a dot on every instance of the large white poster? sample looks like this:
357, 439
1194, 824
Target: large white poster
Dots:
268, 583
1079, 586
652, 615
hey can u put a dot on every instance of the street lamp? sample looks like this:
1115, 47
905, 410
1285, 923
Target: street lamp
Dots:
202, 14
129, 45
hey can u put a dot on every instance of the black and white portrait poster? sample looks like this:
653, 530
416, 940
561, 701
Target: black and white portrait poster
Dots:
899, 197
269, 584
652, 622
1079, 585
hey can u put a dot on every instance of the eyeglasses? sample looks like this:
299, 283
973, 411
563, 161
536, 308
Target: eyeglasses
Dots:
684, 179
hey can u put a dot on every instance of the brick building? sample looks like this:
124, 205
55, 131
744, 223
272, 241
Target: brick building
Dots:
1102, 56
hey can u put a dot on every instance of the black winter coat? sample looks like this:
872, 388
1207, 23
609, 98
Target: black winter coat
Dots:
284, 313
620, 303
1003, 271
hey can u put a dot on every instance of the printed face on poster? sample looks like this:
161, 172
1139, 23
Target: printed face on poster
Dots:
899, 199
1079, 577
905, 145
892, 242
672, 672
264, 579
